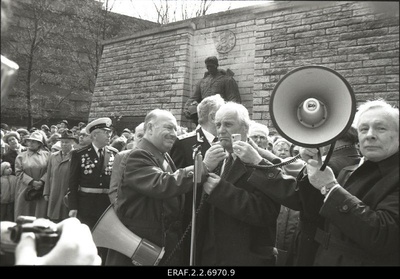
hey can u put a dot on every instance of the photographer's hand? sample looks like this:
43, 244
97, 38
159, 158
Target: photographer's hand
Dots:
75, 247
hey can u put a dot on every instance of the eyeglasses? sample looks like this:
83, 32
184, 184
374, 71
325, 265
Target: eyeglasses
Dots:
258, 137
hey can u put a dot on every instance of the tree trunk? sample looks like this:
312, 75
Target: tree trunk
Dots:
28, 92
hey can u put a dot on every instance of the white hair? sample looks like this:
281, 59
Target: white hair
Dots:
380, 103
207, 105
240, 110
259, 126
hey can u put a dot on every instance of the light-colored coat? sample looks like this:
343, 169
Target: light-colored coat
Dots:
56, 186
30, 166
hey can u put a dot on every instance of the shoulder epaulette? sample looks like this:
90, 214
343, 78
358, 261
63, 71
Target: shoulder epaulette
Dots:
81, 149
187, 135
113, 149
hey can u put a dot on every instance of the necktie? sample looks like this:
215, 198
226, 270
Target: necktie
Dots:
101, 157
228, 165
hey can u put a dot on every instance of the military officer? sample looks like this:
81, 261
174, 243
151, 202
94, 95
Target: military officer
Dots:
90, 174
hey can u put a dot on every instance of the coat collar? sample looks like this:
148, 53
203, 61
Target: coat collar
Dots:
30, 152
388, 164
63, 158
150, 147
237, 171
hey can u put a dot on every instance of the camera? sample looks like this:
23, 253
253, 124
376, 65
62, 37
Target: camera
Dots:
46, 234
236, 137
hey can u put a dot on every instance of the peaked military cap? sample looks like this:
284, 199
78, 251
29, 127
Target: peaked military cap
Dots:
100, 123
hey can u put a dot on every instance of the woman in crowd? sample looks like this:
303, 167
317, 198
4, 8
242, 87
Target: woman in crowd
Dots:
30, 169
13, 140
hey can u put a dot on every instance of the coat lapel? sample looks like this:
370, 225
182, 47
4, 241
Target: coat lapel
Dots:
158, 157
237, 171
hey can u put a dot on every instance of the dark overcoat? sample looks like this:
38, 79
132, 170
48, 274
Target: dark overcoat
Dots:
238, 223
361, 219
150, 201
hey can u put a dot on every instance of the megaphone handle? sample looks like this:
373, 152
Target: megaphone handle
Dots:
328, 156
319, 157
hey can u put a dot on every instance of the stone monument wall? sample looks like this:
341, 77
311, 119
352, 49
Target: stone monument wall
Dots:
159, 68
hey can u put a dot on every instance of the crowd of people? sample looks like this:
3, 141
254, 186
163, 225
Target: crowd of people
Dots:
261, 200
287, 214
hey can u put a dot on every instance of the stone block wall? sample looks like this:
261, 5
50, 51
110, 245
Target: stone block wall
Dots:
348, 37
160, 67
140, 73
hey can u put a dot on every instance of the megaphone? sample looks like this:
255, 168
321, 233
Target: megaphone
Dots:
312, 106
109, 232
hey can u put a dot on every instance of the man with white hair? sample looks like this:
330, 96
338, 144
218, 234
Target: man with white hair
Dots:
259, 133
361, 213
238, 223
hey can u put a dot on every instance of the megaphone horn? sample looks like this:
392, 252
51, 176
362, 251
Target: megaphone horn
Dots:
109, 232
312, 106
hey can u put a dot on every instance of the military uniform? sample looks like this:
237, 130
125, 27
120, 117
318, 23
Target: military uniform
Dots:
90, 177
89, 183
182, 150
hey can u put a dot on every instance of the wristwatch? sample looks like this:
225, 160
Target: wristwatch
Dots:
326, 188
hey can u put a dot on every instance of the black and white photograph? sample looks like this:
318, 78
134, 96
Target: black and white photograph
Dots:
209, 138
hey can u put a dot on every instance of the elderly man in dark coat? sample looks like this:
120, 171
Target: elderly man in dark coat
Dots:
151, 195
238, 223
361, 214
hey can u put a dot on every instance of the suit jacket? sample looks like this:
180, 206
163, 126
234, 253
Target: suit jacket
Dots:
85, 171
150, 200
238, 223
